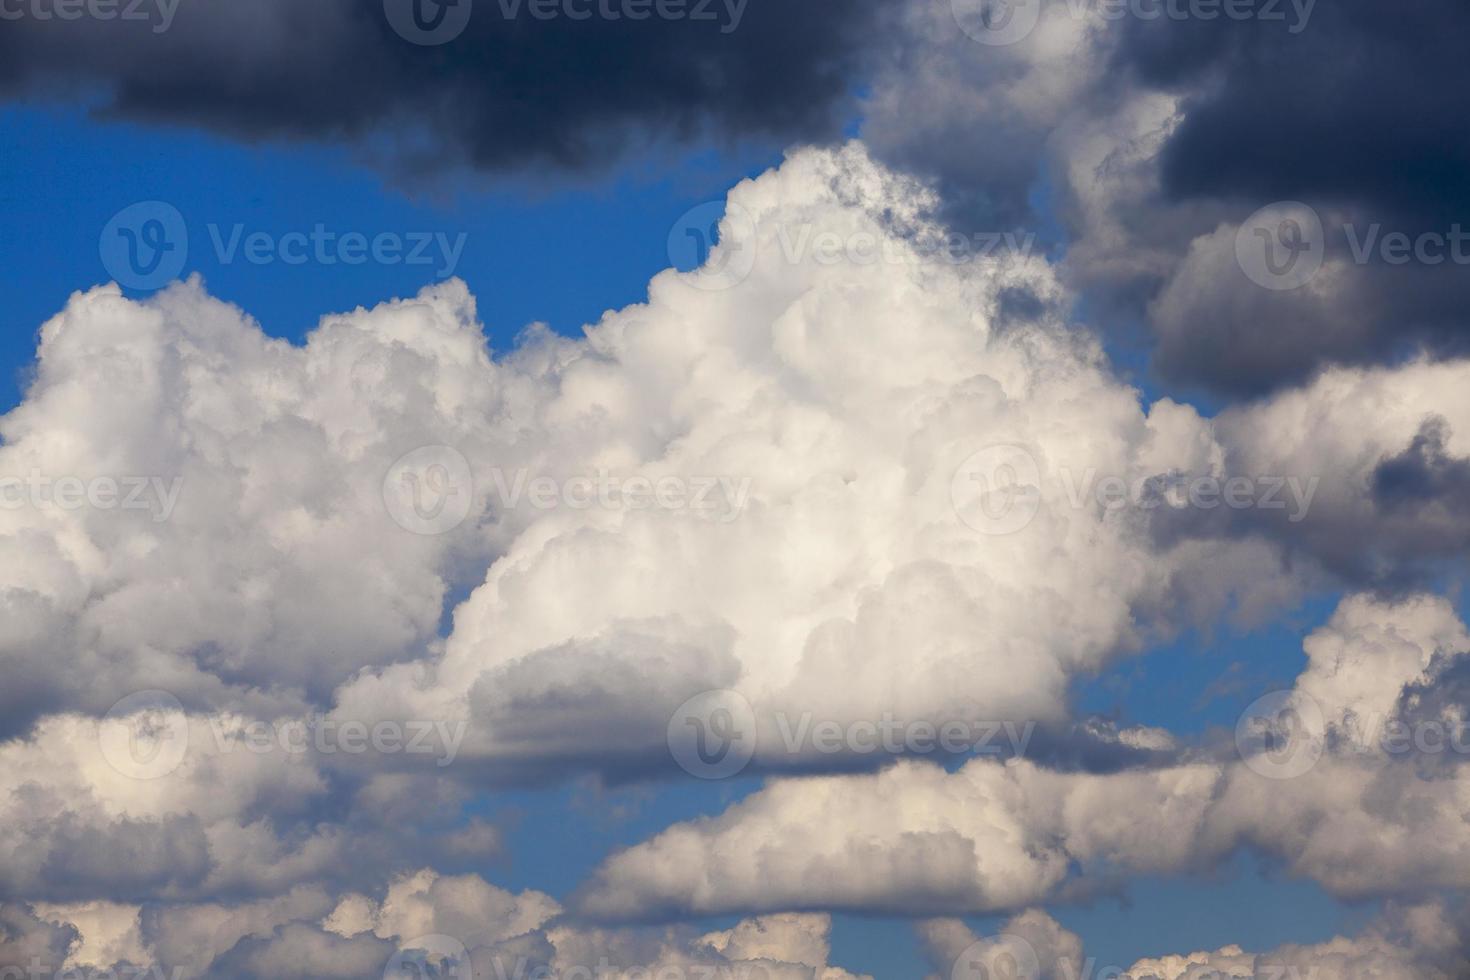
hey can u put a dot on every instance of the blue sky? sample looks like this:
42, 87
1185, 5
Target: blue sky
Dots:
561, 256
564, 255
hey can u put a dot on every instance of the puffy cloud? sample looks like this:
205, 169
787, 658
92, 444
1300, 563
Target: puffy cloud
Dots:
78, 825
1413, 943
839, 390
26, 938
858, 388
1384, 449
419, 918
778, 947
1363, 794
829, 405
912, 838
464, 906
823, 405
1156, 137
1336, 803
1031, 945
257, 567
1420, 941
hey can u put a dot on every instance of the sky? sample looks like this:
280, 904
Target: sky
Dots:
933, 331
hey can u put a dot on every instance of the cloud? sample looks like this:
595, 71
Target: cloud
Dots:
1153, 135
1409, 943
1356, 815
849, 381
1424, 942
990, 837
459, 922
1385, 449
516, 90
817, 414
900, 524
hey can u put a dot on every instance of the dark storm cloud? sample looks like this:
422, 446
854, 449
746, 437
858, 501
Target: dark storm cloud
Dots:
1361, 115
524, 84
